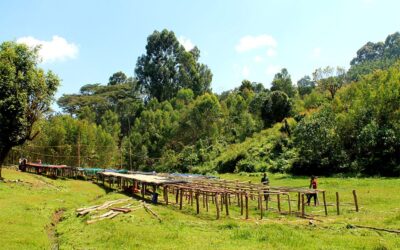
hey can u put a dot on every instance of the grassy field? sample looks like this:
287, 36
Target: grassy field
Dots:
29, 212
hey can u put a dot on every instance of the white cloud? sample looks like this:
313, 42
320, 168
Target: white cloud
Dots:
271, 52
247, 43
245, 72
57, 49
258, 59
272, 69
316, 53
186, 43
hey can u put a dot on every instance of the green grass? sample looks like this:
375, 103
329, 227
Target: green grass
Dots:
26, 213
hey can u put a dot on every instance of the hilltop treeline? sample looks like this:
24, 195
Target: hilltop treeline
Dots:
166, 118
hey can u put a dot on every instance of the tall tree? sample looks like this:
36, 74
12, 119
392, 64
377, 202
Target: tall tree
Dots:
373, 56
283, 82
26, 92
330, 79
167, 67
305, 85
117, 78
275, 108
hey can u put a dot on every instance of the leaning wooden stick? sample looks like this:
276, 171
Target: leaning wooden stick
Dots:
147, 208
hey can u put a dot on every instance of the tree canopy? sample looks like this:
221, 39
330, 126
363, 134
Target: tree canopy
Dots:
26, 92
167, 67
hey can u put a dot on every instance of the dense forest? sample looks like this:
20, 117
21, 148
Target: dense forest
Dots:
166, 118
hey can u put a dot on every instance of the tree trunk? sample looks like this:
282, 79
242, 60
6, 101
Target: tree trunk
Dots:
3, 154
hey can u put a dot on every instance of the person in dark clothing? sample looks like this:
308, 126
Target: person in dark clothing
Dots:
313, 185
22, 165
264, 179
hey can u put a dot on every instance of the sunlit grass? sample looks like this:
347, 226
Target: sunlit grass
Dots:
26, 209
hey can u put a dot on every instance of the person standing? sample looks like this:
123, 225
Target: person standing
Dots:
313, 185
264, 179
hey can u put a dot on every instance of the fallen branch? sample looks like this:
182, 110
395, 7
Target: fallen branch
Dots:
377, 229
148, 209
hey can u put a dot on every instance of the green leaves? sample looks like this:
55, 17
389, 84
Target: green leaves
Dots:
167, 67
26, 93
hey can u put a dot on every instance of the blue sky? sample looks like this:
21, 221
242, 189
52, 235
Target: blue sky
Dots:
87, 41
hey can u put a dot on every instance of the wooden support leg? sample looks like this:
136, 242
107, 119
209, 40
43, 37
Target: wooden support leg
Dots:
227, 204
289, 203
325, 208
177, 195
241, 204
298, 201
216, 205
181, 200
279, 202
206, 201
166, 194
260, 196
302, 205
337, 203
222, 202
355, 200
247, 205
266, 202
197, 203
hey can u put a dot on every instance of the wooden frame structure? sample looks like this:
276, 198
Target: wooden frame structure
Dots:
205, 192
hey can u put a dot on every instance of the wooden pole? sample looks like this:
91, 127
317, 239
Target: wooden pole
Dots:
222, 202
181, 200
279, 202
226, 204
241, 203
79, 149
260, 197
298, 201
355, 200
325, 208
337, 203
266, 202
176, 195
216, 205
290, 205
197, 203
302, 205
207, 201
247, 205
166, 194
